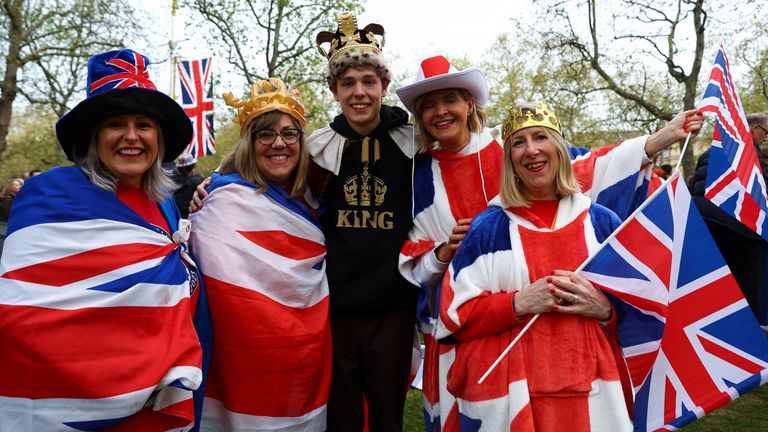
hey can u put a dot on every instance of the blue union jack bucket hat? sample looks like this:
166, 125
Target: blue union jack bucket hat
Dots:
119, 83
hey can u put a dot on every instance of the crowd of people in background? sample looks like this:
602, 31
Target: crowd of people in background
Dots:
290, 285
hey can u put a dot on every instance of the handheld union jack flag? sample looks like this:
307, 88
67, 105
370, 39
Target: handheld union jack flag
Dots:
197, 101
691, 343
734, 177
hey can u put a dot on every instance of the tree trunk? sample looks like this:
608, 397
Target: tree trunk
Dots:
8, 87
690, 97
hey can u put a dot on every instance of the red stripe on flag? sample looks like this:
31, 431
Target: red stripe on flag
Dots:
284, 244
729, 356
750, 212
92, 352
658, 261
85, 265
718, 187
584, 169
174, 417
265, 354
640, 365
415, 249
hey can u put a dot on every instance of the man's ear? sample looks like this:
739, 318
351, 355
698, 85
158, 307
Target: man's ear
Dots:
384, 87
333, 90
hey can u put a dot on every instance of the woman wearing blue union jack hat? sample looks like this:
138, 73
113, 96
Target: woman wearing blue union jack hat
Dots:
97, 292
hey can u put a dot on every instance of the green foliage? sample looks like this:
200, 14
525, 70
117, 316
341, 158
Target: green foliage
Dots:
227, 137
274, 38
519, 70
31, 144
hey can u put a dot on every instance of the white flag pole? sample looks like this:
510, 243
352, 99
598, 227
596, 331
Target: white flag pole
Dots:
172, 46
642, 207
682, 153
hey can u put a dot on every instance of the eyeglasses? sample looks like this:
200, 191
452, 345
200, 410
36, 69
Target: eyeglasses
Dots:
765, 131
267, 137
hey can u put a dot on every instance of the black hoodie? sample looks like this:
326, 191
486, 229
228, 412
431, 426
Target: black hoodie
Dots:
367, 218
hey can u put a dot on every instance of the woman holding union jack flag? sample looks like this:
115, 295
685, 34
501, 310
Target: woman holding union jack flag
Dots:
99, 327
457, 179
262, 254
517, 260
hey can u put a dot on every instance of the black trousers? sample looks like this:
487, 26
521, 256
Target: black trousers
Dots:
372, 359
745, 256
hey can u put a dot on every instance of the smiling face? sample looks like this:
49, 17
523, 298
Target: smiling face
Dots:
443, 114
127, 146
359, 91
535, 162
277, 161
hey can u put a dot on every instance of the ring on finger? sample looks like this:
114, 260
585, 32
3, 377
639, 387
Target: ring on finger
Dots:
575, 299
558, 301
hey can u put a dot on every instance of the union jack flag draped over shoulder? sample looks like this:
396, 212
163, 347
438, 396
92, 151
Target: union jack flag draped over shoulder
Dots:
197, 101
691, 342
96, 325
734, 177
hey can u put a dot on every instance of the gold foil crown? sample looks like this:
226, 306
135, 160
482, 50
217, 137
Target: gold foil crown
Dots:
521, 118
267, 95
349, 38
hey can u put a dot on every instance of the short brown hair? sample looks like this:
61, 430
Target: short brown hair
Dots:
358, 59
512, 193
242, 160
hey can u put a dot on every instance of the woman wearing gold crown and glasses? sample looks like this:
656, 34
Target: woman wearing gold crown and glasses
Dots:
262, 251
459, 176
517, 260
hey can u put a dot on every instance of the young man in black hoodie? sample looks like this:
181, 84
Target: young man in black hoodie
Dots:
363, 164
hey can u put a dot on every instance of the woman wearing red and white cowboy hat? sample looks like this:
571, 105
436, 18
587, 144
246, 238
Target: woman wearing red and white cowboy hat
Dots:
97, 292
458, 178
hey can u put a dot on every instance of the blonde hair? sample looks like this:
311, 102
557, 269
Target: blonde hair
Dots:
156, 181
513, 194
476, 120
242, 160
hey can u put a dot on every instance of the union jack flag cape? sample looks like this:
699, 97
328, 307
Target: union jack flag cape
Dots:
563, 374
448, 187
734, 178
96, 325
262, 255
690, 340
197, 101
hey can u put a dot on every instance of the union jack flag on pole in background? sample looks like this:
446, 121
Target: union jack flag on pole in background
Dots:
691, 343
197, 101
734, 177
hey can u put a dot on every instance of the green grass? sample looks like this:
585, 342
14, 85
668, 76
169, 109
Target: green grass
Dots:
413, 417
747, 414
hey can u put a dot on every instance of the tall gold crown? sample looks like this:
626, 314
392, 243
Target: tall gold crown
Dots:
521, 118
348, 37
267, 95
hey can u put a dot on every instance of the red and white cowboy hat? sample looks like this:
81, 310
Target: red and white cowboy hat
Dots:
437, 73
